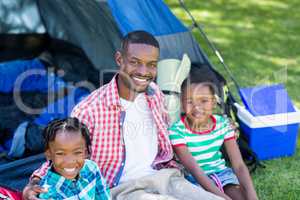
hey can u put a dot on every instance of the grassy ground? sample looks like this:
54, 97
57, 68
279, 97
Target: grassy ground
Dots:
259, 40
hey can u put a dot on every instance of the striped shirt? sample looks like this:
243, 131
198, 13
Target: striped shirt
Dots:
89, 185
204, 146
103, 114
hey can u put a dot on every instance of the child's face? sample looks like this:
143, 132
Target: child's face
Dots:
198, 103
67, 152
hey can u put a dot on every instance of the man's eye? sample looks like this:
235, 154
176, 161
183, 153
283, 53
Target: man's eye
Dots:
59, 153
133, 62
152, 65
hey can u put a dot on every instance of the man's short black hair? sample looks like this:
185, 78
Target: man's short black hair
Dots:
138, 37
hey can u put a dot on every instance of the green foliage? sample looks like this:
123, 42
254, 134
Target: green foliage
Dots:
259, 41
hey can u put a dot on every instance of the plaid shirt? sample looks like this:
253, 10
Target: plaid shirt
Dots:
89, 185
103, 114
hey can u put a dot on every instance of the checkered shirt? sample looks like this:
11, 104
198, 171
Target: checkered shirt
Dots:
89, 185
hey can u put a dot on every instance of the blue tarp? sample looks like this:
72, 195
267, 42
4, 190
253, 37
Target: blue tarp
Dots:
62, 107
35, 77
27, 75
152, 16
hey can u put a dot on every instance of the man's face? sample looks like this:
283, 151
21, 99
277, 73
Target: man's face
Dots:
67, 152
137, 66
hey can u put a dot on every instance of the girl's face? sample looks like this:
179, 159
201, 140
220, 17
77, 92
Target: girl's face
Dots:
198, 103
67, 152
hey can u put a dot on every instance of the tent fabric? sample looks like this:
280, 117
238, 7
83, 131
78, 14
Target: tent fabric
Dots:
169, 47
34, 142
15, 174
9, 110
90, 26
32, 99
27, 138
60, 98
27, 75
5, 146
10, 71
62, 107
10, 118
20, 16
152, 16
22, 46
155, 17
74, 64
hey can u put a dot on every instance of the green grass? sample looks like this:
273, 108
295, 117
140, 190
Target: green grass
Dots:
259, 41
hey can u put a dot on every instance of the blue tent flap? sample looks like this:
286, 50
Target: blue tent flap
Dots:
152, 16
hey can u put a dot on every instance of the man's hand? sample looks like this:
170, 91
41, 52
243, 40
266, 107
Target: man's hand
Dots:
32, 189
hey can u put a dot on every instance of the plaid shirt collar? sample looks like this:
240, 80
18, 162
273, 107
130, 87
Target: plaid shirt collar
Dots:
113, 97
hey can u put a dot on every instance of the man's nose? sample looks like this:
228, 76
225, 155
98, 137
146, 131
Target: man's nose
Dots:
143, 69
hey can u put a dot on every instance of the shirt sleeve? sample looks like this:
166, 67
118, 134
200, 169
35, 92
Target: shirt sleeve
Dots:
42, 171
229, 130
84, 116
176, 136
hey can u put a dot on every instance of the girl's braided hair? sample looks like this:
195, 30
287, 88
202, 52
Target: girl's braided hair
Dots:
69, 124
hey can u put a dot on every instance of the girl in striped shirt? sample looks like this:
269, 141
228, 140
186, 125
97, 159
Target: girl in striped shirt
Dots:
197, 139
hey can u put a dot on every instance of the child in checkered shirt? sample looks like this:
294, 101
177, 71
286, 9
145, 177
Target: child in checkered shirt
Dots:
71, 175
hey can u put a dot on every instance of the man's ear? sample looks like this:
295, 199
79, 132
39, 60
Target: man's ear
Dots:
118, 58
48, 154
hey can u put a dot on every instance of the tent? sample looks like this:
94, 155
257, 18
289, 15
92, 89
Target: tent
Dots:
69, 45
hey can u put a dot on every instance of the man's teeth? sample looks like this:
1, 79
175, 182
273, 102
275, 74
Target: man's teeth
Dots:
69, 169
140, 79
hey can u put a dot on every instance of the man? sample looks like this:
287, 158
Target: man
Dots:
128, 125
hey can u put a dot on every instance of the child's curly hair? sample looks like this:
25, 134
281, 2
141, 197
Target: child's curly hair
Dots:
69, 124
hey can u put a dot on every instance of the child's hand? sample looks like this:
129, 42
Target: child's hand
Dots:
32, 190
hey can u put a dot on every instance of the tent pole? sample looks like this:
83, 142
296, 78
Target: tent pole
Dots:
211, 45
